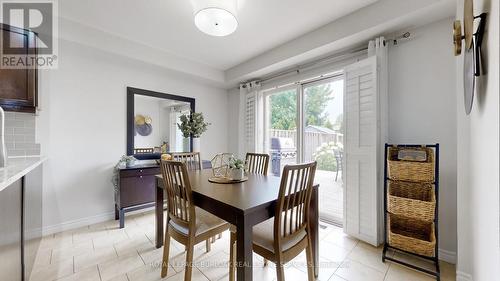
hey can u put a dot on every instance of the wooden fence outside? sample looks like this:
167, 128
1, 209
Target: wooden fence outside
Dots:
312, 140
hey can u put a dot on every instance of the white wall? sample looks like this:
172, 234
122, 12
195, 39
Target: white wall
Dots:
82, 127
422, 109
478, 158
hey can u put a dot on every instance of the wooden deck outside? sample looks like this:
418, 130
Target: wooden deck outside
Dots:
331, 202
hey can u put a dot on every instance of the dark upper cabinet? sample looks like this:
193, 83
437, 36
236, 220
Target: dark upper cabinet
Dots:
18, 87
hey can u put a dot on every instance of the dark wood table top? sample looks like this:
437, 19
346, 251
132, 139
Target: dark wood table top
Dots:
244, 197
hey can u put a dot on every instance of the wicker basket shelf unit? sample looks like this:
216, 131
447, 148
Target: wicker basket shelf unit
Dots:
412, 200
411, 204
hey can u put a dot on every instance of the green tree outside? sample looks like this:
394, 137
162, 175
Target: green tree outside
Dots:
284, 117
284, 112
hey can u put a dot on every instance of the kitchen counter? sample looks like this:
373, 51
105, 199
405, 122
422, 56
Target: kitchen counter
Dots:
21, 192
17, 168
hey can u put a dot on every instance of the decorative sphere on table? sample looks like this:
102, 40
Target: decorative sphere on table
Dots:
220, 164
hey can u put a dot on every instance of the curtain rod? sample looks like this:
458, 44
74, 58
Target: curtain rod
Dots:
302, 67
297, 69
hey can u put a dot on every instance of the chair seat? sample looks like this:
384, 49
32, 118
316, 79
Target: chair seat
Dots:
263, 236
204, 223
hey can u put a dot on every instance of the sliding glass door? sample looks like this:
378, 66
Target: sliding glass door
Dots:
302, 123
280, 128
323, 142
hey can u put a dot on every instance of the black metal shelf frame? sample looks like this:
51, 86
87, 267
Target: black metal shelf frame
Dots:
434, 259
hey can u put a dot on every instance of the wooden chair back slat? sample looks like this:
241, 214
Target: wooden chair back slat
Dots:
191, 159
292, 209
179, 196
257, 163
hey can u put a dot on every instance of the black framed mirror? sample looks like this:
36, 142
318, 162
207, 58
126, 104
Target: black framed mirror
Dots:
152, 119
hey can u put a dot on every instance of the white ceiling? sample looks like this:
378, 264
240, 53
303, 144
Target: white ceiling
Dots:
168, 25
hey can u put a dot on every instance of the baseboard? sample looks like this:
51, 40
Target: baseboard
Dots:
69, 225
462, 276
448, 256
51, 229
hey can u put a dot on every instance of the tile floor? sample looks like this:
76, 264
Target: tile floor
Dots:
104, 252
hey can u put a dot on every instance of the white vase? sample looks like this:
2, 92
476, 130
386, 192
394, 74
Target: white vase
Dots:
237, 174
186, 145
196, 145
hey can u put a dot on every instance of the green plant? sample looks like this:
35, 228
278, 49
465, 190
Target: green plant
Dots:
325, 157
121, 163
192, 124
235, 163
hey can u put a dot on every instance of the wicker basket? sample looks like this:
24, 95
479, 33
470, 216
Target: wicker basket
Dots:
410, 170
411, 235
413, 200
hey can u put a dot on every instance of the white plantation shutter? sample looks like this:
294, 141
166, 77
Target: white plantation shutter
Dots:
250, 121
251, 111
362, 146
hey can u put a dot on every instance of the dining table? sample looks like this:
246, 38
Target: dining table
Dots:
243, 205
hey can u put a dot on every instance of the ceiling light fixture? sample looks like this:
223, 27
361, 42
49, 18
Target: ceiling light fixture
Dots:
216, 17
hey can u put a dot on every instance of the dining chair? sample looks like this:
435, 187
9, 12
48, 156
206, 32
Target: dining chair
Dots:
193, 163
187, 224
282, 238
257, 163
191, 159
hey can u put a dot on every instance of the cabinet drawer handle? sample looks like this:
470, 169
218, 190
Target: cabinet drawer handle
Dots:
140, 177
140, 171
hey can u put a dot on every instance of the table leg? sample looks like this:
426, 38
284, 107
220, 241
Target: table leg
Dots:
121, 214
159, 216
244, 263
314, 221
117, 214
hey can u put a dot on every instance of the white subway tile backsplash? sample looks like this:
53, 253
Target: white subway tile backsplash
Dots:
27, 146
16, 152
29, 124
24, 131
29, 138
24, 116
20, 138
14, 123
20, 134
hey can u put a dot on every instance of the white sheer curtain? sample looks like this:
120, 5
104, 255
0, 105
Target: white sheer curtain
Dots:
250, 114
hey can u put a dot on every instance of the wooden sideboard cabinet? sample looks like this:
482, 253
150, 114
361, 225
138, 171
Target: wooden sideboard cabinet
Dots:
137, 187
19, 86
136, 190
